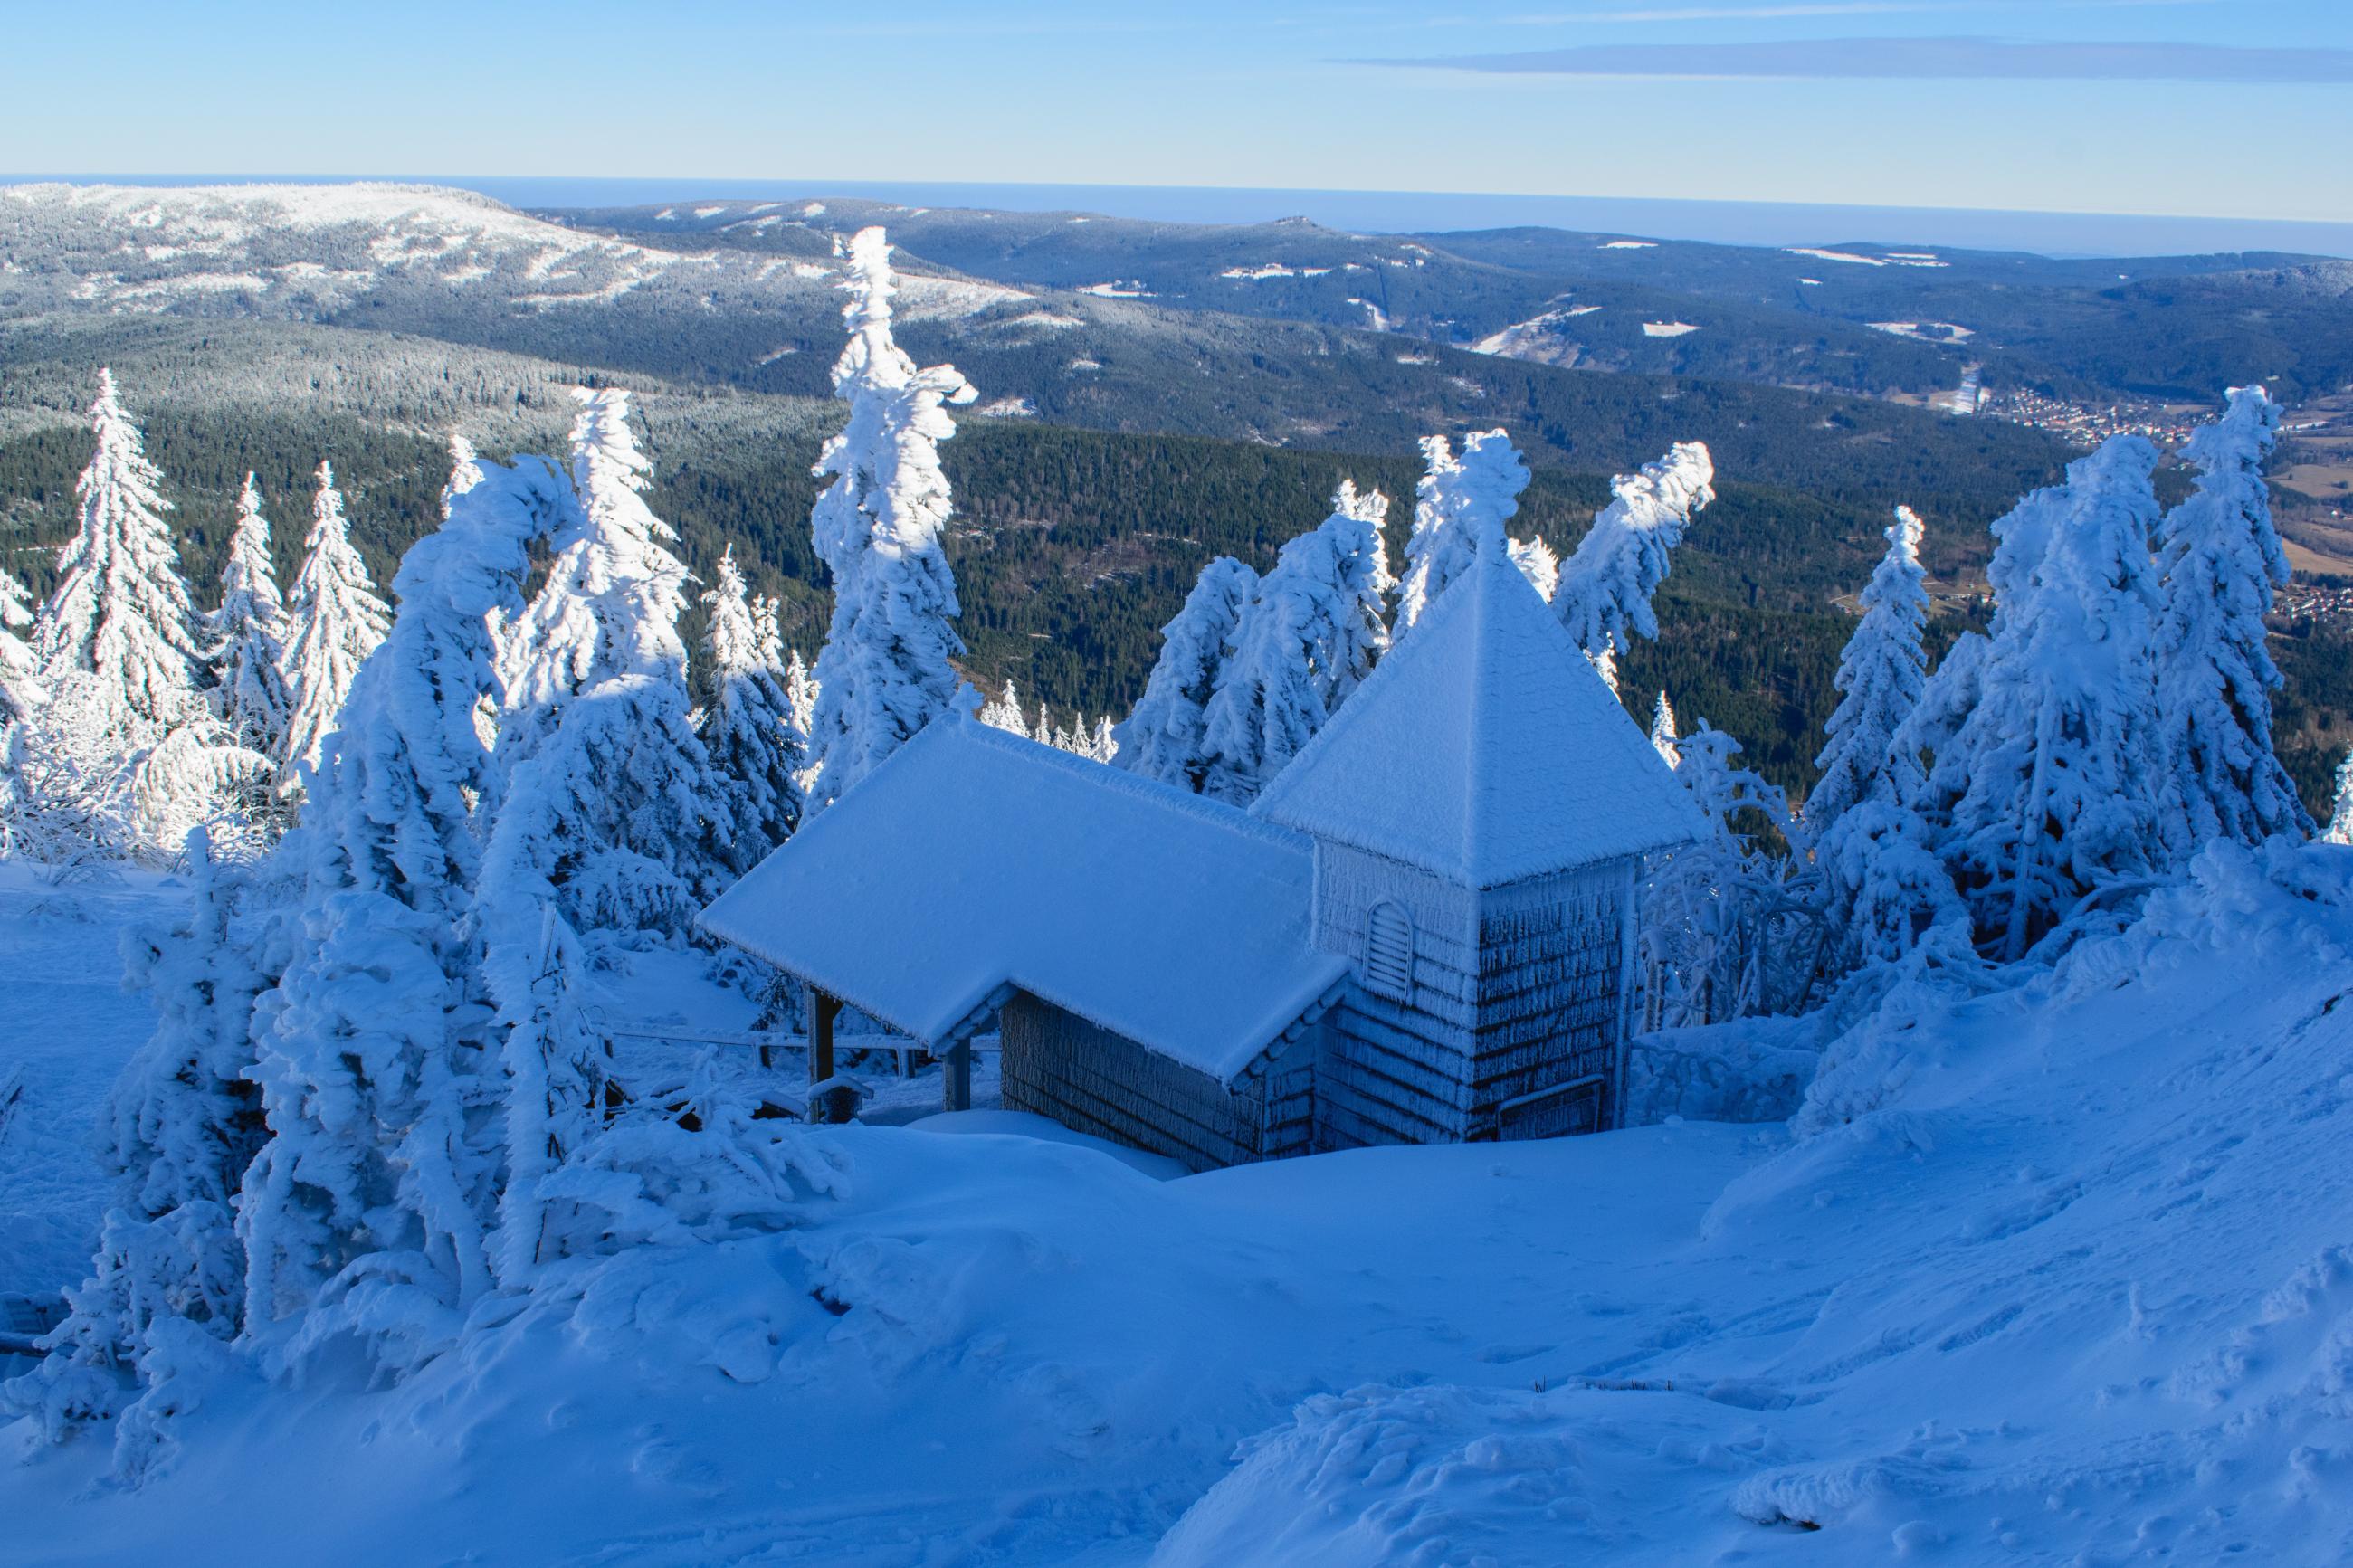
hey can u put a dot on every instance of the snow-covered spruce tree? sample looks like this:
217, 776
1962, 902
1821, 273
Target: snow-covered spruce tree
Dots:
181, 1125
757, 753
1608, 579
120, 611
2221, 561
333, 622
1454, 504
1305, 640
67, 789
249, 635
1102, 746
2046, 796
1161, 738
18, 664
365, 1217
1663, 730
1881, 674
532, 962
1539, 563
883, 673
800, 695
1004, 713
611, 797
1728, 928
1883, 885
1358, 634
2340, 817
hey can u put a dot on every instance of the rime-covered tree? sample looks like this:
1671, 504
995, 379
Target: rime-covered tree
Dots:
2340, 817
1004, 713
1607, 582
2046, 794
1663, 730
249, 635
18, 664
1728, 928
884, 672
2221, 559
180, 1126
611, 795
1883, 885
333, 622
800, 693
1305, 640
1455, 504
1538, 563
66, 787
1358, 632
120, 611
367, 1214
1162, 737
1881, 674
755, 751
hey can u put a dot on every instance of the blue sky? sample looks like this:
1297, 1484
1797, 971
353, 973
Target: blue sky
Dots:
2224, 108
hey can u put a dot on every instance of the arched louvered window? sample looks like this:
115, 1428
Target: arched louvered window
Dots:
1389, 953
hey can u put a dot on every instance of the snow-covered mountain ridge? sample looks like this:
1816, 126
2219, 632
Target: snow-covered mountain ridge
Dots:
297, 252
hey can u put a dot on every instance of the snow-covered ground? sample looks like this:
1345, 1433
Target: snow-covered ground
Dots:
2054, 1275
1925, 331
66, 1027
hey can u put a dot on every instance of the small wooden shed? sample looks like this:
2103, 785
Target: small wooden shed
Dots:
1423, 932
1142, 951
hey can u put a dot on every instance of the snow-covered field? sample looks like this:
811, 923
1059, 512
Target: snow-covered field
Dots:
2058, 1275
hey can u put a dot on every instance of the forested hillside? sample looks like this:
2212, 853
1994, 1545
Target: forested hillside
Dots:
1122, 436
1072, 546
1828, 315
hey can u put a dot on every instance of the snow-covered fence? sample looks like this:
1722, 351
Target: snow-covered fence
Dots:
1751, 1069
768, 1042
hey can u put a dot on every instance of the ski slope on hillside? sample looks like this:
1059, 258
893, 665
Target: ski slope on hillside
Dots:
2052, 1274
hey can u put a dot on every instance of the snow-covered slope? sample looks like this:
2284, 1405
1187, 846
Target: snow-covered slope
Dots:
299, 252
2056, 1275
66, 1027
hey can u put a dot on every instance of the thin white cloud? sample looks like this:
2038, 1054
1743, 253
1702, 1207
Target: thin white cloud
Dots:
1788, 10
1953, 58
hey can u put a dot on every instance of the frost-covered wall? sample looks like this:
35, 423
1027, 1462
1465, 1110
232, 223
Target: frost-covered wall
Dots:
1552, 979
1397, 1071
1511, 1023
1090, 1080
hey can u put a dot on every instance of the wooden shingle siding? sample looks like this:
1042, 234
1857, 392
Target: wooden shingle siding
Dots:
1550, 992
1516, 990
1090, 1080
1396, 1070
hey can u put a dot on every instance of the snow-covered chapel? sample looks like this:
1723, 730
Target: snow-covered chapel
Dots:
1420, 932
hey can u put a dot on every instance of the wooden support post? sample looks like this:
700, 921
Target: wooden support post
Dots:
955, 1074
822, 1011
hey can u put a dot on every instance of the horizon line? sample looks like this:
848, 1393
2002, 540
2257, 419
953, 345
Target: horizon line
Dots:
2337, 232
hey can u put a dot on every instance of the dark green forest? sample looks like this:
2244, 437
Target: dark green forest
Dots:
1071, 547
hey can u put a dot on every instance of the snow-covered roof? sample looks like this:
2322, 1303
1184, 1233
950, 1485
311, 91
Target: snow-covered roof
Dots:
1485, 748
974, 859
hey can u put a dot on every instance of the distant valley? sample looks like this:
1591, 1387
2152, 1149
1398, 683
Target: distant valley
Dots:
1153, 394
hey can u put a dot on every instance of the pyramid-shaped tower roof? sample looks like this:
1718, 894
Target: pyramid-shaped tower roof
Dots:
1485, 748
